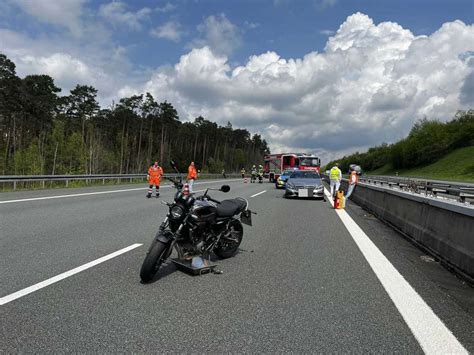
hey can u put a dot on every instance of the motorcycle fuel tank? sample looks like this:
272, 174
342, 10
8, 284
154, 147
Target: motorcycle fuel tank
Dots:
203, 212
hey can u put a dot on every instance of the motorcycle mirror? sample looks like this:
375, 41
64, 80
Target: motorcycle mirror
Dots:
225, 188
173, 165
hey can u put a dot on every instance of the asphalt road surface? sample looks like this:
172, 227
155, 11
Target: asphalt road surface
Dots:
306, 279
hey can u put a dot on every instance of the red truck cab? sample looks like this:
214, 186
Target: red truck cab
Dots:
275, 164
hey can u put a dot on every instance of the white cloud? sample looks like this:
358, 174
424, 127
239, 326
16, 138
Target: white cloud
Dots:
327, 32
323, 4
64, 13
166, 8
57, 65
170, 30
369, 85
219, 34
97, 63
116, 13
251, 25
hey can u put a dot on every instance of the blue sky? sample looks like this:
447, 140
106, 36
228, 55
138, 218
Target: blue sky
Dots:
290, 28
361, 70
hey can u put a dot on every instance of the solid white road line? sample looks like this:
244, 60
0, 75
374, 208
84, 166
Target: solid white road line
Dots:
52, 280
100, 192
72, 195
259, 193
430, 332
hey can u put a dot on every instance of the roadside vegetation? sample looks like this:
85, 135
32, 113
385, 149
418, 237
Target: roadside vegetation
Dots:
432, 150
45, 133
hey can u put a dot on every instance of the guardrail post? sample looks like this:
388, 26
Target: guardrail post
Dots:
103, 181
43, 184
67, 183
14, 185
130, 180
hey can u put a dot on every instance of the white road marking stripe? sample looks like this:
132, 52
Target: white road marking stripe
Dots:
99, 192
261, 192
52, 280
72, 195
430, 332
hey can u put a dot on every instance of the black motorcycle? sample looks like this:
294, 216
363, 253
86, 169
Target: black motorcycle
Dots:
196, 226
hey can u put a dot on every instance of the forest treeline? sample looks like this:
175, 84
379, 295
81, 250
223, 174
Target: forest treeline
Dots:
45, 133
427, 142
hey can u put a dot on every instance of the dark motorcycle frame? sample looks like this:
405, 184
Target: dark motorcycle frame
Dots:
177, 232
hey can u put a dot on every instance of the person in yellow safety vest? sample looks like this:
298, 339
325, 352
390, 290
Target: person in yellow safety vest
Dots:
353, 180
335, 177
242, 171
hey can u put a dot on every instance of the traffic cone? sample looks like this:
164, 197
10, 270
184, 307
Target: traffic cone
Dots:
186, 190
339, 200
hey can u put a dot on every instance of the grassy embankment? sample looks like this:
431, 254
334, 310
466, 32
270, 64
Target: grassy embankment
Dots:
455, 166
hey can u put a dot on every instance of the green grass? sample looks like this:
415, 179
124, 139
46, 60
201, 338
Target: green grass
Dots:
455, 166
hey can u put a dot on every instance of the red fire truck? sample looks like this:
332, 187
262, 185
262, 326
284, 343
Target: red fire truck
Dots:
276, 163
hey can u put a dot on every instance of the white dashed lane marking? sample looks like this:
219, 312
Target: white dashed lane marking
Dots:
52, 280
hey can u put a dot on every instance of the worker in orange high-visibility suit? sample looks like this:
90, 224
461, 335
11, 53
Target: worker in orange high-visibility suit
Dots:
192, 175
154, 178
353, 180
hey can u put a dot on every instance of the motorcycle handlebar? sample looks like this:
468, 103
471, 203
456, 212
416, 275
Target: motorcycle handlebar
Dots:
175, 182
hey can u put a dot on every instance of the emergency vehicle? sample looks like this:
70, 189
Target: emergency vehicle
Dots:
276, 163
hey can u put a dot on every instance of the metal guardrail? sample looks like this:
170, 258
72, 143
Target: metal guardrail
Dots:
434, 188
15, 179
461, 192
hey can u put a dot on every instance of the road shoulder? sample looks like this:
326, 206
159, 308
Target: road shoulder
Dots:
450, 297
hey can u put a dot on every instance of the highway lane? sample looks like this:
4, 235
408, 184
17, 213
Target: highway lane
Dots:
299, 282
42, 238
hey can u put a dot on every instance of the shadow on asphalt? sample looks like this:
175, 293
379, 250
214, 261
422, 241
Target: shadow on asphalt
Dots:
169, 268
165, 270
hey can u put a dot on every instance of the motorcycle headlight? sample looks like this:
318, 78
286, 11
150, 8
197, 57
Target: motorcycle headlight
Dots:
177, 212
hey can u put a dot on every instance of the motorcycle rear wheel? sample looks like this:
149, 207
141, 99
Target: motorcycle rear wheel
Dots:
153, 260
225, 249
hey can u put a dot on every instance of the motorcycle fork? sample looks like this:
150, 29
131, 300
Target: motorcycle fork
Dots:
178, 249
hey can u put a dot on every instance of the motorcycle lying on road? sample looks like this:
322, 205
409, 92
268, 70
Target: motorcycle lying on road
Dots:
196, 226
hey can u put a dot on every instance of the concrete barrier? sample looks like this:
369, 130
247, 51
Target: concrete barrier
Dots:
445, 229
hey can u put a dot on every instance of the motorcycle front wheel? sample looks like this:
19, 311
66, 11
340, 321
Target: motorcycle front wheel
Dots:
153, 260
227, 247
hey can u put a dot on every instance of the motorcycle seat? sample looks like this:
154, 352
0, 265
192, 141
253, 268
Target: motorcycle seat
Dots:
229, 208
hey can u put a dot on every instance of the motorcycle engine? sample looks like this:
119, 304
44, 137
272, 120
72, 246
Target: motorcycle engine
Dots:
201, 238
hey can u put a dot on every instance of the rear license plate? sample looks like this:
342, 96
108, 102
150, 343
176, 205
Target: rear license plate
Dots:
246, 218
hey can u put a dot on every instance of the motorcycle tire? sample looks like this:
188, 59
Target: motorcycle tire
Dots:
223, 251
153, 260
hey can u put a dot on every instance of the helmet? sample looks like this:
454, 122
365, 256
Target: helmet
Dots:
356, 168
